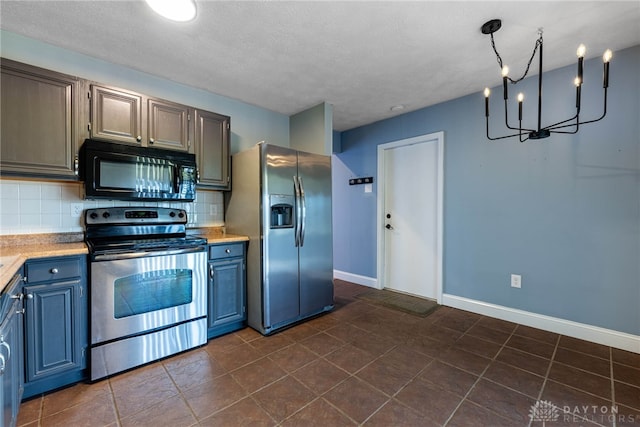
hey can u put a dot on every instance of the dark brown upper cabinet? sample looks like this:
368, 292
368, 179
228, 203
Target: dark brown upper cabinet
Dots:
132, 118
41, 122
212, 150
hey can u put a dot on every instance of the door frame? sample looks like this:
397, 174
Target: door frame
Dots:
438, 138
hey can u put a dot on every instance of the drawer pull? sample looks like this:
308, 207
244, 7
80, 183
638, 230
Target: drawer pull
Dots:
54, 270
227, 251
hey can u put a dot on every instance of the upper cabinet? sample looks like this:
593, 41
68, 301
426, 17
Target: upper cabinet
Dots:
41, 123
131, 118
47, 115
212, 150
116, 115
169, 125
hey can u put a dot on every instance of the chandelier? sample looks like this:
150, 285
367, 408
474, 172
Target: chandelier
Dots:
570, 125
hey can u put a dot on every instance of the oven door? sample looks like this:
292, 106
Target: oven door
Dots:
137, 294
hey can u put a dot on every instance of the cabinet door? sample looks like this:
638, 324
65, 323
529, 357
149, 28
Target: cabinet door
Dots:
212, 149
11, 365
39, 116
169, 125
226, 291
53, 328
116, 115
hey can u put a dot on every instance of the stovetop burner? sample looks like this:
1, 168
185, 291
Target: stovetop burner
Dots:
135, 229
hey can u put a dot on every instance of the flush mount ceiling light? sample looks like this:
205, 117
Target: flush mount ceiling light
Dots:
175, 10
570, 125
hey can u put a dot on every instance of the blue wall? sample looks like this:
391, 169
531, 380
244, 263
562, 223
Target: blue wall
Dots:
564, 212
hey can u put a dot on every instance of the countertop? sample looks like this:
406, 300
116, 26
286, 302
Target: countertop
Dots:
16, 249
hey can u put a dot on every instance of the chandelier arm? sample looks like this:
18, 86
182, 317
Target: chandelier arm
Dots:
565, 132
604, 113
562, 124
520, 134
500, 137
506, 121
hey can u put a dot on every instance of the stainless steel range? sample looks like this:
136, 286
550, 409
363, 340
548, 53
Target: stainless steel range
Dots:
148, 286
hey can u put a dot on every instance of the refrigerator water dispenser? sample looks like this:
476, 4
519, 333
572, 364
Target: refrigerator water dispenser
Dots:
281, 210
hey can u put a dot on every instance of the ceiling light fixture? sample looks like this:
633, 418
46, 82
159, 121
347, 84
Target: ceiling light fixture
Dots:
175, 10
570, 125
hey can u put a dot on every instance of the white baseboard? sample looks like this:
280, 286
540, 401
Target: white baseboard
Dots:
371, 282
583, 331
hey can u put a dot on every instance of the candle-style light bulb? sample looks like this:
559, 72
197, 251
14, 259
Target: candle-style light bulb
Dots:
580, 52
606, 58
505, 73
520, 99
487, 92
577, 81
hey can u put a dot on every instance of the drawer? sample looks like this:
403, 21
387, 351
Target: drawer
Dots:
39, 271
226, 250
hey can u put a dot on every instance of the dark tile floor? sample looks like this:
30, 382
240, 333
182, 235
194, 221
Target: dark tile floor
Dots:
366, 365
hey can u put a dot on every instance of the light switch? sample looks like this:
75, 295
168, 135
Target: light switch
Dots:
368, 188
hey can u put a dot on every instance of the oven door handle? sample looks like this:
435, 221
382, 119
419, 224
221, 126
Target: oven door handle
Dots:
142, 254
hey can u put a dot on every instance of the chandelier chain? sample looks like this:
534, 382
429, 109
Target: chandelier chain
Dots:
499, 58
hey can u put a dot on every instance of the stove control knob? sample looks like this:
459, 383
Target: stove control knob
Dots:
172, 214
106, 215
93, 215
181, 215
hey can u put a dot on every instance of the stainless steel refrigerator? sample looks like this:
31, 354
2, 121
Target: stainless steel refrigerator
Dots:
281, 199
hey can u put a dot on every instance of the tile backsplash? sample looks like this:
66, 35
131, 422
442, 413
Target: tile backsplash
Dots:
56, 207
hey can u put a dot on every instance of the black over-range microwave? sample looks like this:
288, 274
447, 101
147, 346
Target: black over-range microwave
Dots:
125, 172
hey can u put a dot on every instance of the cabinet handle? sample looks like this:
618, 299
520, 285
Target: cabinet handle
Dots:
2, 364
197, 176
210, 272
54, 270
5, 345
138, 138
29, 296
76, 163
228, 251
151, 141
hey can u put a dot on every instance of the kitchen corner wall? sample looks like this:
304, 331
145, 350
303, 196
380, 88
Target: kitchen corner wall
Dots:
56, 207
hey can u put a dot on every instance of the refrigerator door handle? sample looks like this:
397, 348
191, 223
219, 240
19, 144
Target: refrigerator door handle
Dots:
303, 211
298, 210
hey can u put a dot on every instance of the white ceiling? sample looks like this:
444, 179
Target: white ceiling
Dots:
363, 57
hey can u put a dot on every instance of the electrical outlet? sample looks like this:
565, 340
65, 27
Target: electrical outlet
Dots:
76, 210
516, 281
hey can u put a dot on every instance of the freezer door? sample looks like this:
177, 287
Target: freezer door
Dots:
315, 253
281, 294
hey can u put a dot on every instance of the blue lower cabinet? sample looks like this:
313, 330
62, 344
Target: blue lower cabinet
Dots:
56, 323
227, 298
11, 361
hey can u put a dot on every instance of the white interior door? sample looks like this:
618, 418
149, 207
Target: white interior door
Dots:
411, 215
